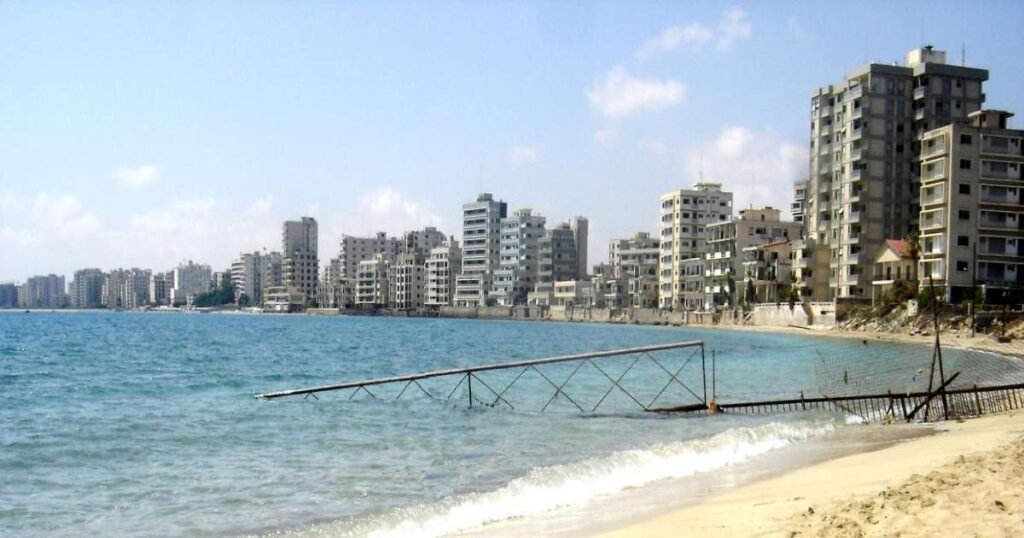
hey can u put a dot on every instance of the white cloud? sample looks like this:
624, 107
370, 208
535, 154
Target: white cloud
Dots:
758, 167
137, 176
618, 94
383, 209
695, 35
522, 154
734, 26
606, 135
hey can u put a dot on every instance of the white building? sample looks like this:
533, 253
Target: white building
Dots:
407, 283
44, 291
160, 288
135, 287
685, 214
353, 250
519, 257
634, 262
190, 279
444, 263
86, 290
372, 286
481, 249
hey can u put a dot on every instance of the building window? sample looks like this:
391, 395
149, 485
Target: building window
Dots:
965, 139
965, 188
961, 266
965, 164
963, 241
965, 214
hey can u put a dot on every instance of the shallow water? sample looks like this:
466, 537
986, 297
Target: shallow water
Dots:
145, 424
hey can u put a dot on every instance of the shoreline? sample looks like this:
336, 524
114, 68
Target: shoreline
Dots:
772, 507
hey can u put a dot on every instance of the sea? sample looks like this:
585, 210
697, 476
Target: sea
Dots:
147, 424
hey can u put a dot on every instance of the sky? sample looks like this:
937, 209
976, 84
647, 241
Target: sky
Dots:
144, 133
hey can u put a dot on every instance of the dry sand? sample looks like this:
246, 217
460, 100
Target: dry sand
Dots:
946, 484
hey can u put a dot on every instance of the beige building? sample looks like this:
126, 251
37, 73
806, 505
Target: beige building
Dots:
283, 298
407, 283
299, 249
573, 293
972, 208
519, 260
634, 262
723, 263
865, 138
766, 271
684, 216
372, 286
810, 269
444, 263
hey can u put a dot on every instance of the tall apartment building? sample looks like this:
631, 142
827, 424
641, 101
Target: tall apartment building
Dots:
190, 279
972, 209
519, 257
353, 250
865, 142
43, 291
419, 243
580, 227
558, 262
160, 288
481, 249
444, 263
299, 250
407, 283
685, 215
724, 274
135, 287
8, 295
247, 276
634, 261
372, 286
113, 288
86, 289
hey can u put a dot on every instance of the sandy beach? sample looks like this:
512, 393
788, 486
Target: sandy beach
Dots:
966, 481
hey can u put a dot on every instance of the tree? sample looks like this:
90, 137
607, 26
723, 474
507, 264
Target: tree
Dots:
222, 295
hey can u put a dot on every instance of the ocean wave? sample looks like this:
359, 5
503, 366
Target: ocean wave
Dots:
548, 488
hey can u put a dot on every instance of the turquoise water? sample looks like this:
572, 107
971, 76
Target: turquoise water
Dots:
146, 424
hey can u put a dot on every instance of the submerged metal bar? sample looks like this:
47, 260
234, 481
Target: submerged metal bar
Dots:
484, 368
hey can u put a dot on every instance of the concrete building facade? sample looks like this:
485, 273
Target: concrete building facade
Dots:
685, 214
519, 257
865, 142
444, 264
86, 289
972, 209
190, 279
481, 249
300, 255
43, 291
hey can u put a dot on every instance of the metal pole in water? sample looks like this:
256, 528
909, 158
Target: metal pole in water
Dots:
704, 374
469, 383
714, 376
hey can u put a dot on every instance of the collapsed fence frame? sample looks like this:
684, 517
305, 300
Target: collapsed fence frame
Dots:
468, 374
964, 402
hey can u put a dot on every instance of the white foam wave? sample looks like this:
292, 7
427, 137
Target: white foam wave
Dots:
575, 484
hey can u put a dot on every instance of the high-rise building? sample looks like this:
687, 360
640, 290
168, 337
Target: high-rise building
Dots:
519, 257
419, 243
372, 286
190, 279
353, 250
113, 288
86, 289
444, 263
685, 215
634, 261
799, 205
481, 249
558, 262
299, 249
44, 291
160, 288
135, 287
972, 209
407, 282
864, 183
8, 295
581, 235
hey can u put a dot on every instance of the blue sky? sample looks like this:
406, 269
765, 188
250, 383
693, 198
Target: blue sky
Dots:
142, 134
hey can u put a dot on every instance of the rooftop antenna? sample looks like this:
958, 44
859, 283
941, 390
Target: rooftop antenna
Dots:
963, 54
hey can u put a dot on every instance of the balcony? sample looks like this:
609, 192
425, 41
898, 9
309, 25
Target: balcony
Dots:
858, 113
855, 197
825, 130
856, 174
853, 217
920, 92
933, 147
1001, 221
1001, 195
853, 239
858, 154
934, 171
1000, 145
936, 197
855, 92
1000, 170
931, 220
919, 114
857, 134
825, 111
